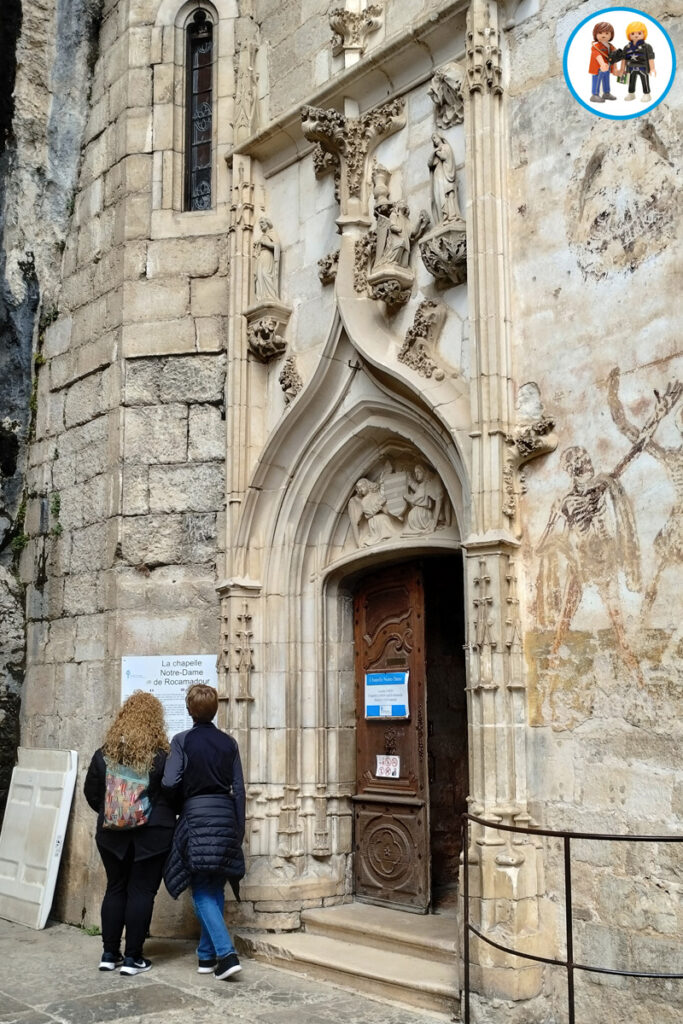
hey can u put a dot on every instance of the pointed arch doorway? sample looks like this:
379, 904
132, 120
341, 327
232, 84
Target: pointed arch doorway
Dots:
411, 733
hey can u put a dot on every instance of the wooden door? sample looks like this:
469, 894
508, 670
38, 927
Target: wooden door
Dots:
391, 815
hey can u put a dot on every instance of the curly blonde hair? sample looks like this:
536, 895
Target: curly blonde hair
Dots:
137, 732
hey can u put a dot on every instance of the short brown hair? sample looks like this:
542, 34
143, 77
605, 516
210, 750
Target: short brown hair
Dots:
603, 26
202, 702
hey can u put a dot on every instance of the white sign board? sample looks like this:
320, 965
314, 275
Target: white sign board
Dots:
388, 766
386, 694
168, 677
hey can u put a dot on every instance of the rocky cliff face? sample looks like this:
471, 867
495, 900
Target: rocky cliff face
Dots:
47, 50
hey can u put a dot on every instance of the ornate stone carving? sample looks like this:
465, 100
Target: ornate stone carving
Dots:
483, 643
290, 380
363, 255
391, 278
484, 71
350, 141
444, 253
446, 93
327, 267
420, 340
267, 263
263, 340
532, 436
244, 653
246, 92
406, 499
444, 248
351, 29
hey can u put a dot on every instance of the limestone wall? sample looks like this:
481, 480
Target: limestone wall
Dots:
126, 479
595, 231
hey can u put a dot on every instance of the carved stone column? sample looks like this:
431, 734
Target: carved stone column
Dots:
507, 874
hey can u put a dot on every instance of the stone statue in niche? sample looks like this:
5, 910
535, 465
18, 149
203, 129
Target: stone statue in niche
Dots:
267, 263
404, 501
445, 208
370, 519
391, 278
393, 238
444, 248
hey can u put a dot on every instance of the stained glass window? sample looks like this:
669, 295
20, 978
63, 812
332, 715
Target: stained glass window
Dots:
198, 157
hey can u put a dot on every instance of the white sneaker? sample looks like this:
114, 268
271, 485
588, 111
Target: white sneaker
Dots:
630, 96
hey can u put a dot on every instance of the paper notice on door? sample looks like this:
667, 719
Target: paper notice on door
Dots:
386, 694
388, 766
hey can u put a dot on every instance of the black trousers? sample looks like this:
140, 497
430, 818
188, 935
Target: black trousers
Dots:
644, 76
129, 898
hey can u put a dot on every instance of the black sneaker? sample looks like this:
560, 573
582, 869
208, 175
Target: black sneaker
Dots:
226, 966
135, 965
206, 966
110, 961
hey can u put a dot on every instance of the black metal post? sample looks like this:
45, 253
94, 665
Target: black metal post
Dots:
570, 934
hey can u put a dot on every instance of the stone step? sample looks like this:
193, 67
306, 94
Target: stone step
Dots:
380, 973
431, 937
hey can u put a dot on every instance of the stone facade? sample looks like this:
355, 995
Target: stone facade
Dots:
420, 252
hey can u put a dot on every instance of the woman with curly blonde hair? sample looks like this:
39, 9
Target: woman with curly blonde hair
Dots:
133, 857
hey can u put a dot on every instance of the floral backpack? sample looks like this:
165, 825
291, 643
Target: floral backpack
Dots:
126, 802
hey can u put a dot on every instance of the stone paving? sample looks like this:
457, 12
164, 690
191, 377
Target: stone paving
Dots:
52, 976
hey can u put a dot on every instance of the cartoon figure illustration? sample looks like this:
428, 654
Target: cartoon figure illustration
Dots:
638, 58
592, 531
668, 543
599, 67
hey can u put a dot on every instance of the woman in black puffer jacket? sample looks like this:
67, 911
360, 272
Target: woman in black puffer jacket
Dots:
204, 767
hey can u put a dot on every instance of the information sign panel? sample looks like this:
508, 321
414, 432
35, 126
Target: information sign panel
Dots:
168, 677
386, 694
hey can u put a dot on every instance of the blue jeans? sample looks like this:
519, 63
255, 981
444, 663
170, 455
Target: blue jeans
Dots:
602, 78
208, 897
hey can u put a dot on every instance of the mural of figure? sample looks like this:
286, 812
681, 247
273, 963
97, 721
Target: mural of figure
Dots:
267, 259
668, 543
394, 231
368, 504
592, 531
425, 499
445, 206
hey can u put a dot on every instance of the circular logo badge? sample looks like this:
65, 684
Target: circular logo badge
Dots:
619, 63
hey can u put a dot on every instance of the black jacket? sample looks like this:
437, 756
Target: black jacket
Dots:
204, 764
149, 839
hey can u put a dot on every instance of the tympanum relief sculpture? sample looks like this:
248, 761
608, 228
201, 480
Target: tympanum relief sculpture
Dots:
268, 315
407, 499
444, 248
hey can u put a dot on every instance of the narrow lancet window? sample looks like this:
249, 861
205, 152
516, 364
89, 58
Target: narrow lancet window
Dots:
198, 157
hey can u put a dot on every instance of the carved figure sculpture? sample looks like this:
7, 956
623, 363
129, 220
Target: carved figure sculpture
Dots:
393, 238
267, 260
367, 505
425, 498
668, 543
591, 530
446, 93
445, 206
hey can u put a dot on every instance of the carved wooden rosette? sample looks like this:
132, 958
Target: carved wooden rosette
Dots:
351, 29
266, 323
346, 144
